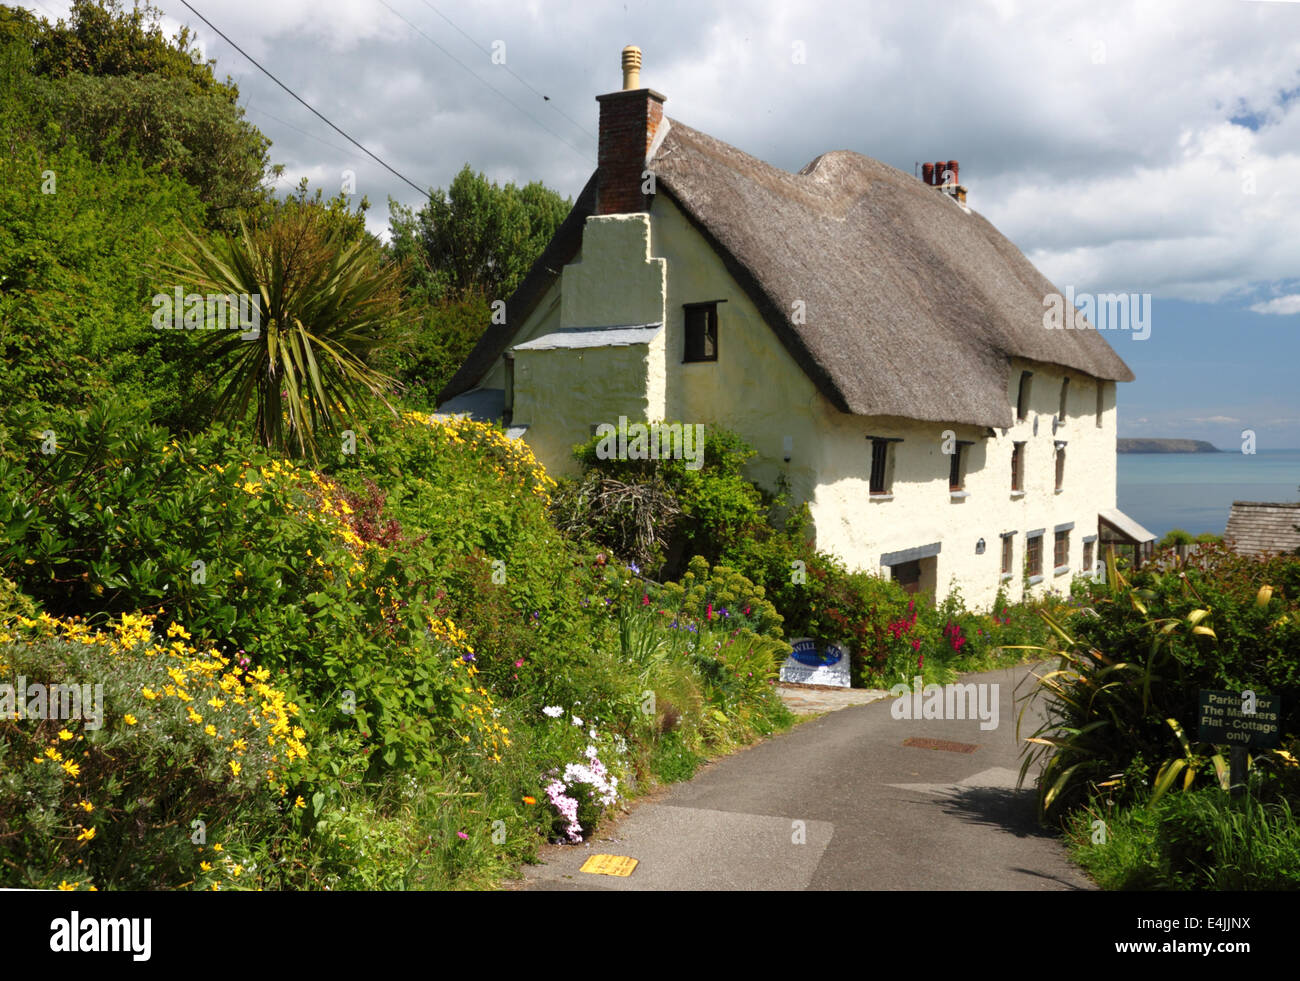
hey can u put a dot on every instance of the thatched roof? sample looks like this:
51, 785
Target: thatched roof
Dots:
1258, 528
912, 306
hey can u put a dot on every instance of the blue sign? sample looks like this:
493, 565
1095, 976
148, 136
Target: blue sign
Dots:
811, 663
806, 652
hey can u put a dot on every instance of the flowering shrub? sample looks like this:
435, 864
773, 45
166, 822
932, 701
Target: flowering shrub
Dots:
190, 746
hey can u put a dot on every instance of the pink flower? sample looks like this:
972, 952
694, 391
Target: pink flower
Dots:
462, 836
519, 663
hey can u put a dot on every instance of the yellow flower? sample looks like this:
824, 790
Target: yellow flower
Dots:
86, 806
217, 847
86, 835
68, 888
300, 802
129, 719
72, 768
65, 735
210, 729
54, 754
149, 693
205, 866
235, 768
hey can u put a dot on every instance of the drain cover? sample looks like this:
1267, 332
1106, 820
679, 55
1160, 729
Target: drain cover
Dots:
918, 742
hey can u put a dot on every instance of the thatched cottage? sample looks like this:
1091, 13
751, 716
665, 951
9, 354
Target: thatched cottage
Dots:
873, 338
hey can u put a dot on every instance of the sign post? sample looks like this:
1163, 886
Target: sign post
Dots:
1242, 720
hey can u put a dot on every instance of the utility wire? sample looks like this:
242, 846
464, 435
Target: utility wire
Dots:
582, 153
423, 191
522, 81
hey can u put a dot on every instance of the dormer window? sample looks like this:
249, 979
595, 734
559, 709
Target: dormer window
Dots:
1022, 399
701, 331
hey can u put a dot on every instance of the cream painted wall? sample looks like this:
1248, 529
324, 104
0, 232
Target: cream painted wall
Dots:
639, 268
561, 394
921, 510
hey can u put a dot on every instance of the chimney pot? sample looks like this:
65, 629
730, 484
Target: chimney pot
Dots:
631, 68
629, 120
927, 173
938, 173
952, 165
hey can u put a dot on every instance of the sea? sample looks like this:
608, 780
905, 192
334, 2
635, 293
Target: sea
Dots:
1195, 491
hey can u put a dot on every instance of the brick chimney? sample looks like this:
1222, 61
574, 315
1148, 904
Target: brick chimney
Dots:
628, 121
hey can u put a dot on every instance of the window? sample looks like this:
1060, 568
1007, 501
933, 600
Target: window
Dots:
956, 470
701, 332
879, 462
1087, 558
1065, 392
1061, 555
1101, 395
1022, 400
1034, 554
1018, 467
1060, 466
1008, 553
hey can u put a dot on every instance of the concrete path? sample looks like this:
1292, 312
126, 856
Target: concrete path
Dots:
840, 802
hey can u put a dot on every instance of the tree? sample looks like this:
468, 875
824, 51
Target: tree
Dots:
324, 305
110, 82
477, 238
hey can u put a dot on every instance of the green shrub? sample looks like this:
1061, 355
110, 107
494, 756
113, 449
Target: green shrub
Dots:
167, 782
1126, 686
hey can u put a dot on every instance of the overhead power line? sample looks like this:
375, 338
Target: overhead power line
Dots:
265, 72
521, 81
582, 153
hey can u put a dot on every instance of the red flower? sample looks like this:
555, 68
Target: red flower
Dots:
645, 600
708, 613
916, 645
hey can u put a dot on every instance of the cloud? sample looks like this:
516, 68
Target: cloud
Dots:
1098, 135
1218, 419
1281, 306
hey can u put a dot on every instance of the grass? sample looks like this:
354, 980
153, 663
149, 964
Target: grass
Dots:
1202, 840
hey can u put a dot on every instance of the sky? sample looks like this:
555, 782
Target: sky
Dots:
1144, 148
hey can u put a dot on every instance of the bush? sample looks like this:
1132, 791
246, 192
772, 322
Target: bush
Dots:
1123, 699
187, 755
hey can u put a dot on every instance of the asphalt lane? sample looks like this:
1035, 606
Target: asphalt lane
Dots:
841, 802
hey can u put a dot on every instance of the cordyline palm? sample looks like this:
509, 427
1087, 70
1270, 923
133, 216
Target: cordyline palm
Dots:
325, 305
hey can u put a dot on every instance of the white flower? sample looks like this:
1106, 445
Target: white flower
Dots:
554, 711
577, 721
591, 752
592, 733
